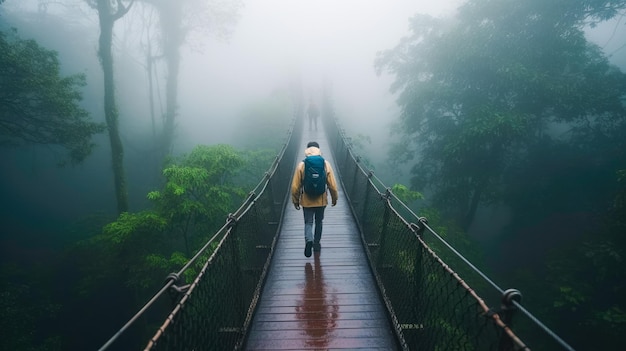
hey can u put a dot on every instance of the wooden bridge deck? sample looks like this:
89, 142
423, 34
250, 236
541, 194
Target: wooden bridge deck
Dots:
328, 301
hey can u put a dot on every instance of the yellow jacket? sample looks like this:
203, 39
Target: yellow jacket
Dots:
299, 197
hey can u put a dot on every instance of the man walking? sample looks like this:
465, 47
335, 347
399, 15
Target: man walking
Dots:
313, 113
312, 181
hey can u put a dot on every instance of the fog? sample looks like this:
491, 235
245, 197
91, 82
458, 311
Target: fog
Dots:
270, 42
531, 206
273, 40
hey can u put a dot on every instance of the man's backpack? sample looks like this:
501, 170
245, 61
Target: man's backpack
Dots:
314, 181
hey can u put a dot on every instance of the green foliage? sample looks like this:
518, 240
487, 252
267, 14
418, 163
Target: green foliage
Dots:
154, 265
614, 316
587, 283
587, 277
199, 190
508, 105
569, 297
198, 193
405, 194
37, 105
450, 332
21, 318
130, 256
479, 92
129, 224
257, 163
469, 248
445, 227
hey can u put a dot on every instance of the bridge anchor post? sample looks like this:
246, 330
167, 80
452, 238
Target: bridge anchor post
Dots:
507, 309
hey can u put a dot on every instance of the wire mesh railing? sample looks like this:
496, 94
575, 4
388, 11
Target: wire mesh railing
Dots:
215, 310
419, 274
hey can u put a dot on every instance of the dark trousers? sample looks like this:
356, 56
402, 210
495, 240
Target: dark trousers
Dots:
312, 214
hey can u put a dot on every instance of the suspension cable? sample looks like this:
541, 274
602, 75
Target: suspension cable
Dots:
245, 206
169, 283
443, 241
542, 326
480, 273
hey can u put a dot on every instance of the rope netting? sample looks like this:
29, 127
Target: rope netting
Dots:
430, 306
216, 310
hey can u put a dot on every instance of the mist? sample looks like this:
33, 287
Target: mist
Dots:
321, 41
271, 42
235, 76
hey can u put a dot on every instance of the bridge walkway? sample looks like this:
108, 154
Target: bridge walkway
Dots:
327, 301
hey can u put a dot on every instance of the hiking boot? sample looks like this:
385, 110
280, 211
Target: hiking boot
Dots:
307, 248
317, 247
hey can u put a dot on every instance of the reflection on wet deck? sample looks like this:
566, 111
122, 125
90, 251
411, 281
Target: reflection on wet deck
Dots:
326, 301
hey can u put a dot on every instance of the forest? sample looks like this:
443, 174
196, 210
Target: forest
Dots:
513, 125
510, 135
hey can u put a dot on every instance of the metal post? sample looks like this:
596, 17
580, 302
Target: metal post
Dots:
507, 309
384, 229
366, 199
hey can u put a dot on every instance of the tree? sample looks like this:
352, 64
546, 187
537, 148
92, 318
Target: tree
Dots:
199, 192
139, 248
510, 105
109, 12
586, 280
37, 104
479, 92
177, 20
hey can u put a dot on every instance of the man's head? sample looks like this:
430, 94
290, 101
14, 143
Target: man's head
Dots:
313, 144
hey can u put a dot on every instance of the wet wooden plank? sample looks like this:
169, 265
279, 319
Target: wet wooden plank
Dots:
319, 305
297, 333
326, 301
343, 300
381, 324
320, 341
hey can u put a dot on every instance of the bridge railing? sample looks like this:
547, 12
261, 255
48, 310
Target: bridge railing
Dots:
430, 305
215, 310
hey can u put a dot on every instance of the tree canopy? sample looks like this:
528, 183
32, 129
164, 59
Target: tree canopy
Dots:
37, 104
479, 92
509, 105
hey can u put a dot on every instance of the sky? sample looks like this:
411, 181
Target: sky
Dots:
321, 39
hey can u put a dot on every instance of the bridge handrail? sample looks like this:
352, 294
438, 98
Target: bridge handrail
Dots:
383, 189
222, 233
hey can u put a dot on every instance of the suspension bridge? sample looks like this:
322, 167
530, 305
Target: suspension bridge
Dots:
383, 279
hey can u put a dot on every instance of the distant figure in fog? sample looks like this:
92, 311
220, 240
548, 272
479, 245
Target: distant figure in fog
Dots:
313, 113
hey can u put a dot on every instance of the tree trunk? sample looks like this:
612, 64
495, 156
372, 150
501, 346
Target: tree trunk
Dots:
471, 212
110, 108
171, 20
150, 69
